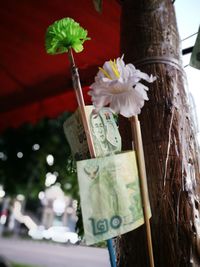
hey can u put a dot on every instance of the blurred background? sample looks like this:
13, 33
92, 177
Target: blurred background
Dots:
38, 182
39, 196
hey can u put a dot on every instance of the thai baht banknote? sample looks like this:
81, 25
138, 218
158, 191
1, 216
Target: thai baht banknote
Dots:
110, 196
103, 130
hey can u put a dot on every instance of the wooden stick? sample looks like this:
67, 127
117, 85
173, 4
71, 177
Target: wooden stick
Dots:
81, 103
138, 146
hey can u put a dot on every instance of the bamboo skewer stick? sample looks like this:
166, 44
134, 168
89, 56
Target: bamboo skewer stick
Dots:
136, 132
81, 103
137, 138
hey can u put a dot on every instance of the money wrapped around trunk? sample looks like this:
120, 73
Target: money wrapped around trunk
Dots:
110, 196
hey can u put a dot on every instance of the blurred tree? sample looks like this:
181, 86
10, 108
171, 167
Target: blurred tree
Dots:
23, 167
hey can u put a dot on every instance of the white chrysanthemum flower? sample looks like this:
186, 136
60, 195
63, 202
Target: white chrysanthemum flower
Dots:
119, 85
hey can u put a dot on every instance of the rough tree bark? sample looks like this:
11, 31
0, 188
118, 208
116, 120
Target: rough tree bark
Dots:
150, 40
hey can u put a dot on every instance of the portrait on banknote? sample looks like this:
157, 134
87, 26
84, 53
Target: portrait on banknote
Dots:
104, 132
105, 135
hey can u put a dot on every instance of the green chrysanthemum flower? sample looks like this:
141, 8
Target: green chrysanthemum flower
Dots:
64, 34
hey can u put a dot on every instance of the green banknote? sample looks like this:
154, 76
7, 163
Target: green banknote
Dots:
103, 129
75, 134
110, 196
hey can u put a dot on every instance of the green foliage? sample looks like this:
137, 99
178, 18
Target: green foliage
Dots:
21, 265
26, 175
64, 34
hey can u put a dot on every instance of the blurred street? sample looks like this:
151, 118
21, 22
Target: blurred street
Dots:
45, 254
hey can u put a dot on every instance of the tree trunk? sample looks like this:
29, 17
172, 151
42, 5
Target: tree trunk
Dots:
150, 40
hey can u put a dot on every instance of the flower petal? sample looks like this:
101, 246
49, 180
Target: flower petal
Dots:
125, 94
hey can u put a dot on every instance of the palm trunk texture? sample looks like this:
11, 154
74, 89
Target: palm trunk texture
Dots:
150, 40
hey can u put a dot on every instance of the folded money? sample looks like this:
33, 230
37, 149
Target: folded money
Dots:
110, 196
103, 129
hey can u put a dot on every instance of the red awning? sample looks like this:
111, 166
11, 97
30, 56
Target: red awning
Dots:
34, 84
